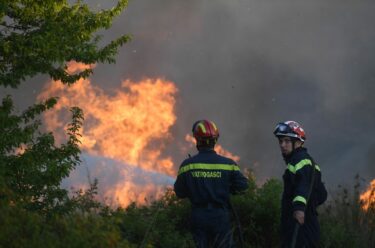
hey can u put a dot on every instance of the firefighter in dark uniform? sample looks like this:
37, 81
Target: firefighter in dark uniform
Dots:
208, 179
303, 189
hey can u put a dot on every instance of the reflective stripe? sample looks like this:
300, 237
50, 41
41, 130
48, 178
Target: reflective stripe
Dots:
213, 124
302, 163
300, 199
227, 167
201, 125
291, 168
299, 166
317, 167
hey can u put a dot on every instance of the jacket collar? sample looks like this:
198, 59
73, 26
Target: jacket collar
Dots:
206, 150
295, 152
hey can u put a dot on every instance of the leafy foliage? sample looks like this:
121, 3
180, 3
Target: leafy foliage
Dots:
165, 222
21, 228
31, 165
41, 36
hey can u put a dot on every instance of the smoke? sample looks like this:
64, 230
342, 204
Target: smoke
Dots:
119, 183
249, 64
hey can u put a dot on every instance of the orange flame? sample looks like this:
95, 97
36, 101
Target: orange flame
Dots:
131, 125
368, 197
218, 148
74, 67
21, 149
120, 184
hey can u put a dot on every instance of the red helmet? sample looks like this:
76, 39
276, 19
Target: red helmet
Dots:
291, 129
205, 129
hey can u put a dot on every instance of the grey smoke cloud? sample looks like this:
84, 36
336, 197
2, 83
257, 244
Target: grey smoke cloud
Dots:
249, 64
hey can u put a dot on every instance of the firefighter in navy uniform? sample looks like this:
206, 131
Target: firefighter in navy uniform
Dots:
303, 189
208, 179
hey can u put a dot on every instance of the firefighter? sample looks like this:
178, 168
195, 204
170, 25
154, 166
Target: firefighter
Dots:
208, 179
303, 189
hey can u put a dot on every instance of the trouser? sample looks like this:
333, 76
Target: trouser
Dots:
308, 235
211, 227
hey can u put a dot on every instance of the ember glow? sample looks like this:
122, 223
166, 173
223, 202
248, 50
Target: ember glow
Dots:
368, 197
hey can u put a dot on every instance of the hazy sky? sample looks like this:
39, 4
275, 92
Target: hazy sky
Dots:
249, 64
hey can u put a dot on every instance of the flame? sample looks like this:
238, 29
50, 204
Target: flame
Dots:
131, 125
20, 150
368, 197
119, 184
218, 148
73, 67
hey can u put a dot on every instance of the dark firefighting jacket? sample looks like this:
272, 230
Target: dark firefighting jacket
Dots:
208, 179
297, 180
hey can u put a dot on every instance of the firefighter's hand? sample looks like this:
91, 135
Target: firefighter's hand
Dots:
299, 216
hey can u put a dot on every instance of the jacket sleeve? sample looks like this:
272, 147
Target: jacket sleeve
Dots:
239, 182
321, 192
303, 176
180, 187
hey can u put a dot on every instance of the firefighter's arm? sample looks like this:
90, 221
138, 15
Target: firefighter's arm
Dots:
321, 192
300, 198
180, 187
303, 176
239, 181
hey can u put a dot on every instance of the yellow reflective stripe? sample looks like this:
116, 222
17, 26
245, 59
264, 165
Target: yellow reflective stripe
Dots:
300, 199
199, 166
302, 163
299, 166
201, 125
317, 167
213, 124
291, 168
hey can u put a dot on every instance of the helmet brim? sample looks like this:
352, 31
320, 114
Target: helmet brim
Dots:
292, 135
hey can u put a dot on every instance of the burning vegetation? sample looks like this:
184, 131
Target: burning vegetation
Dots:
367, 198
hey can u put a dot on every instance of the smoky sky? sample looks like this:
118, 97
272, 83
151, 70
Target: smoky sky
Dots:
248, 65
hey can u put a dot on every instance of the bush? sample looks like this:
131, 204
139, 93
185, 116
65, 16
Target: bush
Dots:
166, 222
344, 223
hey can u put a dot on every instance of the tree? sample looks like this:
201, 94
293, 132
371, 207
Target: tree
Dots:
31, 166
42, 37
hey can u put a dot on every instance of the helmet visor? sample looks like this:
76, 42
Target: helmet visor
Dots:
282, 128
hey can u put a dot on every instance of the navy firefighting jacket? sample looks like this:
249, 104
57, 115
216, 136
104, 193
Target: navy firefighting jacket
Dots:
297, 180
208, 178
